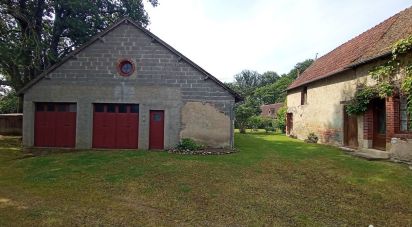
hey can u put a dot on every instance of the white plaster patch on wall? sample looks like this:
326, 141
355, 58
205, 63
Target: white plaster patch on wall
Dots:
205, 124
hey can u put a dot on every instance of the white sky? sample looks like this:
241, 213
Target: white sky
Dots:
226, 36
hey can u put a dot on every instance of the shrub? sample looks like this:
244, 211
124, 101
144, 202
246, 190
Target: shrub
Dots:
255, 122
9, 103
267, 124
312, 138
242, 115
280, 121
188, 144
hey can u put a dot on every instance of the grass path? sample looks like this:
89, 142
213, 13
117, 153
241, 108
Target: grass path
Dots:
272, 180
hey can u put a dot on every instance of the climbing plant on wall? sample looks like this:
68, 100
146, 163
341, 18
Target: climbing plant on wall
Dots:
386, 76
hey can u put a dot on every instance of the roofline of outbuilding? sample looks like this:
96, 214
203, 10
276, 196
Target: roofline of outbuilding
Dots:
100, 36
351, 66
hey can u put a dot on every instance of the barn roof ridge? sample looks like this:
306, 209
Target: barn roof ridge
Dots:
155, 38
368, 46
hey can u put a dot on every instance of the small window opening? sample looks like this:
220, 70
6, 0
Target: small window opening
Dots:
111, 108
157, 117
62, 107
50, 107
304, 96
40, 107
122, 108
134, 108
99, 108
126, 67
72, 108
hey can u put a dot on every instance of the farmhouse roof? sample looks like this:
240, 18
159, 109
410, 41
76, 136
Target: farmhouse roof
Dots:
100, 35
373, 44
266, 108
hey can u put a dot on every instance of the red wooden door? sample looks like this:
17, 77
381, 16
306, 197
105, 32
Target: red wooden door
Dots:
379, 124
350, 125
126, 130
289, 123
156, 132
116, 126
55, 125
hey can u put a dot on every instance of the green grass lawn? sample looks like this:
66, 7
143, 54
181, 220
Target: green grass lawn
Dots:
272, 180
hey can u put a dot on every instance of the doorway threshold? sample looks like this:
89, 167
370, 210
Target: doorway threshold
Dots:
372, 154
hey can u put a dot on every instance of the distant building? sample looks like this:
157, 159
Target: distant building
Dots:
270, 110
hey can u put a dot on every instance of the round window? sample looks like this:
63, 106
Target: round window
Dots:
125, 68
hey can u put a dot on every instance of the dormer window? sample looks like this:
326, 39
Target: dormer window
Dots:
304, 96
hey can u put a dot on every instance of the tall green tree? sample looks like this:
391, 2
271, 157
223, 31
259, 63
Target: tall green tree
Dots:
246, 81
300, 68
280, 121
9, 102
242, 114
260, 89
34, 34
268, 77
276, 92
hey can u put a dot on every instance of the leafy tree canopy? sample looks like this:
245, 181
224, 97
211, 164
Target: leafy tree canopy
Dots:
34, 34
8, 101
260, 89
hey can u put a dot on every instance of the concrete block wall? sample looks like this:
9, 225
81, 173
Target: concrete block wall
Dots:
162, 81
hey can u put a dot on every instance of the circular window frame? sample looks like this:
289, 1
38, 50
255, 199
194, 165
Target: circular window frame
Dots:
121, 63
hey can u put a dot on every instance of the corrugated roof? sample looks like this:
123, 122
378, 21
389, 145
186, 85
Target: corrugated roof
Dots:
372, 44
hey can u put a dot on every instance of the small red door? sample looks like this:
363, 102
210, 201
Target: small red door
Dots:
116, 126
289, 123
156, 131
350, 130
379, 124
55, 125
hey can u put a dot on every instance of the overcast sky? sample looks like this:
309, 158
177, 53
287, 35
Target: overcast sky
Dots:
226, 36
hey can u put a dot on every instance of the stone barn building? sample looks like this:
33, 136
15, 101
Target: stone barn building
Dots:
316, 99
270, 110
127, 89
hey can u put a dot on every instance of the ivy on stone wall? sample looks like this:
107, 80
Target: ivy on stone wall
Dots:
359, 103
387, 81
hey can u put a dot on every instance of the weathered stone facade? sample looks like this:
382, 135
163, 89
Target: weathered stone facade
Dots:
324, 113
317, 98
163, 80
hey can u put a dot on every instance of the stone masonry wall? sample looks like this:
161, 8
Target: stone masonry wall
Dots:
323, 114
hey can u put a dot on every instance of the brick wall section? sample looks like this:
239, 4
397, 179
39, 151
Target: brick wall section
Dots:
368, 124
392, 117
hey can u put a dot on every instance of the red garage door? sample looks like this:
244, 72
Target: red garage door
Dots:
55, 125
116, 126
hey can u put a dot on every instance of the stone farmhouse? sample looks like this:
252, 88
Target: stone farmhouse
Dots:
316, 99
127, 89
270, 110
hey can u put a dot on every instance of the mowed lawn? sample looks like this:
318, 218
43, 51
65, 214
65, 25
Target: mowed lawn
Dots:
273, 180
